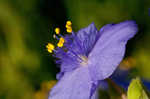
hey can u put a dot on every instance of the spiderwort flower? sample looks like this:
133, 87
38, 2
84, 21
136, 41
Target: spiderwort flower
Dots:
88, 56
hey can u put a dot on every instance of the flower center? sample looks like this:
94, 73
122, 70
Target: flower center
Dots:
50, 46
84, 60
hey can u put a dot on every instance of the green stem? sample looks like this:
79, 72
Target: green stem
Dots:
117, 88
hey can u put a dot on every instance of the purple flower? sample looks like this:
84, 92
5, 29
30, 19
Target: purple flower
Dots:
89, 56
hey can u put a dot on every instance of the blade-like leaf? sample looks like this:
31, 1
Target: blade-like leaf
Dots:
136, 91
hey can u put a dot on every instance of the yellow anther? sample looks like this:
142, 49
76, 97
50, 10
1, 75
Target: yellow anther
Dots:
69, 30
57, 30
68, 23
61, 42
50, 47
68, 26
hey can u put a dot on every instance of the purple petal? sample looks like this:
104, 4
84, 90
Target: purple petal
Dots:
79, 44
90, 30
73, 85
109, 49
85, 39
95, 95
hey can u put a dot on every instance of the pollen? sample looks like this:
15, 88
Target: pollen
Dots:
61, 42
50, 47
68, 26
57, 30
69, 23
69, 30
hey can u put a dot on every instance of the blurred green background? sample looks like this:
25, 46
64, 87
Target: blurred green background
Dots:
27, 70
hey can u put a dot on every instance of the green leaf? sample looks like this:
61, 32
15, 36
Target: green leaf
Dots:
136, 91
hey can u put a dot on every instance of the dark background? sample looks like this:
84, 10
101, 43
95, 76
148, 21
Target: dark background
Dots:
26, 26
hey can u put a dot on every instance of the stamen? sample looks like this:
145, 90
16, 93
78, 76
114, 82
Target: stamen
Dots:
57, 30
69, 30
75, 54
55, 36
68, 26
61, 35
61, 42
84, 60
69, 23
50, 47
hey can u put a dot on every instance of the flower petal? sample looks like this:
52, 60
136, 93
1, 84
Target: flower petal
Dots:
90, 30
73, 85
109, 49
85, 40
76, 44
